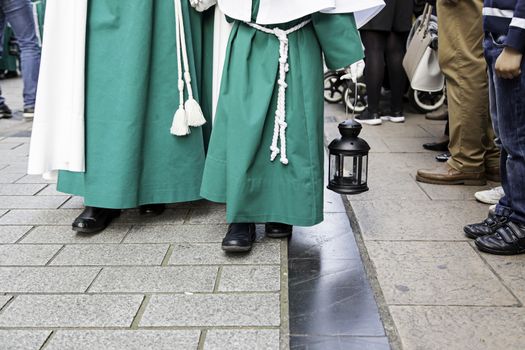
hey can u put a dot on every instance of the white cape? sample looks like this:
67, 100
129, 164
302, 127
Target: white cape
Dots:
279, 11
57, 141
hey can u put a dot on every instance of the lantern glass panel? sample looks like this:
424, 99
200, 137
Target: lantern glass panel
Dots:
334, 171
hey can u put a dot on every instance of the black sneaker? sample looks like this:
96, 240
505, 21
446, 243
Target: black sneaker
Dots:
487, 227
443, 157
508, 240
5, 112
370, 118
278, 230
29, 112
239, 238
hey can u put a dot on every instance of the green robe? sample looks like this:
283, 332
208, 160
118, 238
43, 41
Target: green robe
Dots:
131, 97
238, 170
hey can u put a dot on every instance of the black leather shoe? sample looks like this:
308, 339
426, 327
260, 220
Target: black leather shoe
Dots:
94, 220
5, 112
278, 230
152, 209
437, 146
487, 227
443, 157
239, 238
508, 240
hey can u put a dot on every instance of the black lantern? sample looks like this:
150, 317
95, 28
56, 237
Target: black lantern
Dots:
348, 164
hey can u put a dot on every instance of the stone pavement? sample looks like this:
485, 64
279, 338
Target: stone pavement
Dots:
435, 290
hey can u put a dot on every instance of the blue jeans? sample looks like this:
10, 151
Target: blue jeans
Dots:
19, 14
507, 99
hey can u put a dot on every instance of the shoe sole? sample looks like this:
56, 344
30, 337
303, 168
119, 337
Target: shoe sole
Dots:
279, 235
455, 182
393, 119
235, 249
95, 230
498, 252
369, 122
484, 200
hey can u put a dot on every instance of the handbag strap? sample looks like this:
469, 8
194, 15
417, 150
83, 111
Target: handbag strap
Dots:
425, 23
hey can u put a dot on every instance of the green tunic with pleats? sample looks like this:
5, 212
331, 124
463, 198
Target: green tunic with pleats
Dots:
131, 97
238, 169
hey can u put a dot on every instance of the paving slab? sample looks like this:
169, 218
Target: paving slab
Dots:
71, 311
250, 278
16, 254
242, 339
51, 190
212, 254
3, 212
155, 280
65, 235
34, 179
169, 217
436, 273
46, 279
22, 340
407, 144
20, 189
3, 300
39, 217
212, 310
207, 216
176, 233
31, 202
460, 328
451, 193
111, 254
397, 186
74, 203
416, 220
511, 269
9, 145
125, 340
9, 178
11, 234
19, 168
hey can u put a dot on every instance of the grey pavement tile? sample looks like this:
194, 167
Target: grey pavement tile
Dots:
262, 339
386, 163
39, 217
46, 279
511, 269
176, 233
416, 220
394, 130
11, 234
20, 189
3, 212
4, 299
399, 186
111, 254
74, 203
451, 193
6, 146
436, 273
169, 217
316, 342
125, 340
12, 157
16, 139
18, 255
31, 202
155, 279
65, 235
9, 178
15, 168
51, 190
212, 254
436, 130
207, 216
212, 310
333, 202
407, 144
34, 179
71, 311
22, 340
250, 278
460, 328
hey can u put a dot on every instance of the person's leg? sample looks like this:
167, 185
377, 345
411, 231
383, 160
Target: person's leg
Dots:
395, 51
2, 29
19, 15
375, 45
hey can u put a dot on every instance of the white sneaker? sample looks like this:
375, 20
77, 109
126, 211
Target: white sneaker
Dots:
396, 117
491, 196
492, 209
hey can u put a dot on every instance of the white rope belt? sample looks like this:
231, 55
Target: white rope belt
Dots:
280, 125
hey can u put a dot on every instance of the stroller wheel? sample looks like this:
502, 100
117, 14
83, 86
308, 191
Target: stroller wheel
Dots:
333, 87
426, 102
356, 105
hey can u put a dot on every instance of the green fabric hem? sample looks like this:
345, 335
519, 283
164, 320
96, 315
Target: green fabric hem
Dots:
264, 218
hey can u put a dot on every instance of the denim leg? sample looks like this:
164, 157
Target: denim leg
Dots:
2, 29
511, 130
19, 14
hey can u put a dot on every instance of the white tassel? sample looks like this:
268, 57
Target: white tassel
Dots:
194, 113
180, 123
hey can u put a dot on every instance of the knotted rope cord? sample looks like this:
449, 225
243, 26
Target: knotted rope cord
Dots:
179, 61
280, 125
182, 39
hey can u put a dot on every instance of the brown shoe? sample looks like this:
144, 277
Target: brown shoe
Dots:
493, 174
439, 114
446, 175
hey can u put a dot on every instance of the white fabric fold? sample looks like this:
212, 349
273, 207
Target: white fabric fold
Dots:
278, 11
57, 141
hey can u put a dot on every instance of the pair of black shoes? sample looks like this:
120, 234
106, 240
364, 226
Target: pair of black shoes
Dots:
498, 235
241, 236
93, 220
